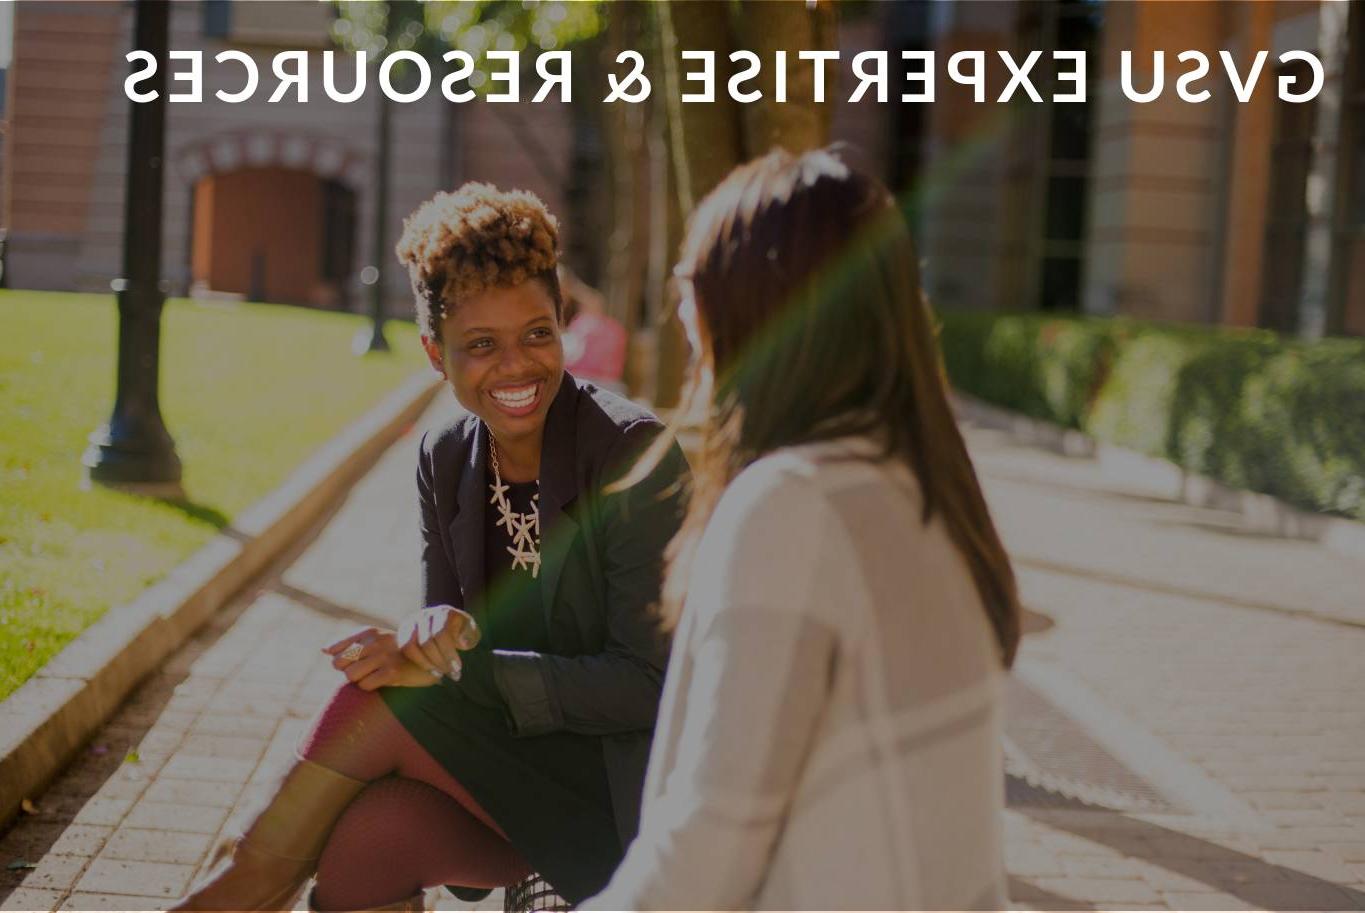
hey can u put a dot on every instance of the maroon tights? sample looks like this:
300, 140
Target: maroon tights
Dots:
413, 827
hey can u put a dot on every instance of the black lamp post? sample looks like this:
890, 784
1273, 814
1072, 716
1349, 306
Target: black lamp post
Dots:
371, 338
134, 449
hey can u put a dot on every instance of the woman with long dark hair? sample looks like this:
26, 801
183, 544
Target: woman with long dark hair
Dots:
829, 736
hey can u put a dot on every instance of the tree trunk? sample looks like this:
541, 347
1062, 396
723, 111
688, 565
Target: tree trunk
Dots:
586, 178
706, 141
625, 132
798, 124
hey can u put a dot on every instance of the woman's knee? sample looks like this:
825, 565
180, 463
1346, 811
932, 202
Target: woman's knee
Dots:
351, 734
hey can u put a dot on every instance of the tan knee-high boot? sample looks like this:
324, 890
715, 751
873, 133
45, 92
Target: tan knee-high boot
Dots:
264, 868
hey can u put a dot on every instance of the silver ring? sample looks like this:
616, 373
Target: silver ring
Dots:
352, 653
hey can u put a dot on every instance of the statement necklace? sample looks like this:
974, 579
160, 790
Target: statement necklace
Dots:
523, 528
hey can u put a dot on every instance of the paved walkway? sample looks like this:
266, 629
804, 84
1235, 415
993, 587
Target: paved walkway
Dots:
1173, 681
1181, 735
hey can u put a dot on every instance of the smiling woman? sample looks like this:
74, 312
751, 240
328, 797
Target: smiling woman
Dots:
517, 708
502, 354
482, 264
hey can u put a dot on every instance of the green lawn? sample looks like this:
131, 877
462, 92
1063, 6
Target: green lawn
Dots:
248, 392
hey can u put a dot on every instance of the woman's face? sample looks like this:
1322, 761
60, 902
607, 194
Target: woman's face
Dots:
501, 352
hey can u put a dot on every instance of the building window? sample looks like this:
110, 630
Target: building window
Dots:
1291, 158
1057, 237
908, 25
217, 19
1349, 310
338, 241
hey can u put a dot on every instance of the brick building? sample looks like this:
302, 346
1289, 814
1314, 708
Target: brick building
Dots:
270, 201
1219, 212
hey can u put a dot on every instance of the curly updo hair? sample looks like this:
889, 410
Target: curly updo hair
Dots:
460, 244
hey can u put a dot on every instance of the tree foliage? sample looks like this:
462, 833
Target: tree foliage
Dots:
432, 27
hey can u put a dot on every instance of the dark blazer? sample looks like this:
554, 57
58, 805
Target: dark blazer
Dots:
601, 566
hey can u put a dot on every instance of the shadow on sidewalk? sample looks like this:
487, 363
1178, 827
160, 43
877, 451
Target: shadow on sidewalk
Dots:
1080, 491
1024, 893
324, 606
1265, 885
1147, 584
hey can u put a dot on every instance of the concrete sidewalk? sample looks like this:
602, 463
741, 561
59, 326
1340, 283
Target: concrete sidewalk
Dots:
1180, 735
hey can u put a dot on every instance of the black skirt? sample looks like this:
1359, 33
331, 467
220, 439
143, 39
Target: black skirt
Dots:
548, 793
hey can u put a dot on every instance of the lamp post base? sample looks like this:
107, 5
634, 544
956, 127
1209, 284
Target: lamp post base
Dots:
133, 459
370, 339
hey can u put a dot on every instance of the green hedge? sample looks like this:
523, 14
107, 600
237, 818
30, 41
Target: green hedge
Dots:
1246, 407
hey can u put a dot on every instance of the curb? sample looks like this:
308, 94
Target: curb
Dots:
45, 722
1262, 513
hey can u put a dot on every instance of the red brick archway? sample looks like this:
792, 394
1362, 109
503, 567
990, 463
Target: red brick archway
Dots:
274, 216
273, 234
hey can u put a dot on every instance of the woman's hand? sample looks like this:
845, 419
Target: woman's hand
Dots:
434, 637
424, 649
378, 662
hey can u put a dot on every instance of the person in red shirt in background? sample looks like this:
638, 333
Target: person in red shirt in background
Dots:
594, 343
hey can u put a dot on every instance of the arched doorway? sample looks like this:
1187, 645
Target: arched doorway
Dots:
275, 234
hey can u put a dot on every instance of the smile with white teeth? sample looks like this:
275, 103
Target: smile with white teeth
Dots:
515, 397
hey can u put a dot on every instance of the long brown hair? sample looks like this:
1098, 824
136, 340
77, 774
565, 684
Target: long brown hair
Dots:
814, 327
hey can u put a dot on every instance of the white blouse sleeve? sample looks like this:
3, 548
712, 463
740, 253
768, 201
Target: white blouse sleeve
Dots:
760, 656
